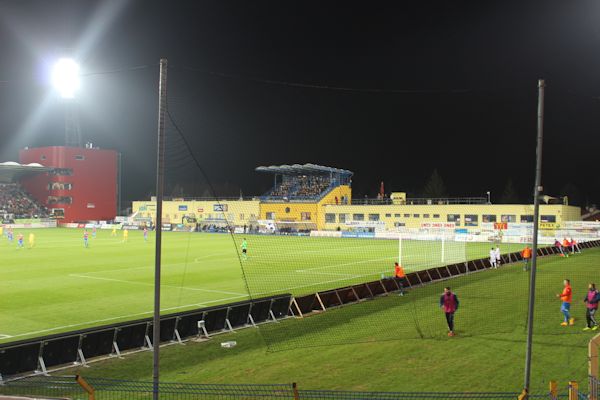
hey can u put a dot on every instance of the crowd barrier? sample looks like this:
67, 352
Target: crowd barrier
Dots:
41, 354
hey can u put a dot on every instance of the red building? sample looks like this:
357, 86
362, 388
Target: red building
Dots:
82, 186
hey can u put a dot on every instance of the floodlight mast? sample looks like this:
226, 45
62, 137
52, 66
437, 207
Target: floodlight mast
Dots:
65, 79
536, 217
160, 169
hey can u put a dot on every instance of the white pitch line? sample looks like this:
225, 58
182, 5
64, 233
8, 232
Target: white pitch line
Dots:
324, 273
203, 304
152, 284
346, 264
5, 336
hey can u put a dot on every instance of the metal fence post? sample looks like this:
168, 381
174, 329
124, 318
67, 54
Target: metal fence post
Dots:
295, 388
573, 390
553, 390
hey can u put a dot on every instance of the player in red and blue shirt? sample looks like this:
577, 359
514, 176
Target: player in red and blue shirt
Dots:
85, 238
145, 234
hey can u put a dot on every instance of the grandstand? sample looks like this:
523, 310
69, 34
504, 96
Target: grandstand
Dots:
308, 182
15, 202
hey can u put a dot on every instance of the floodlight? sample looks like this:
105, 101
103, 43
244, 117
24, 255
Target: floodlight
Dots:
65, 77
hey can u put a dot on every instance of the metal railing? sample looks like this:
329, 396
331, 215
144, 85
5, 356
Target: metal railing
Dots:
421, 201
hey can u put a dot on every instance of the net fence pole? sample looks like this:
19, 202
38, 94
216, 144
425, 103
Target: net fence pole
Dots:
536, 216
399, 248
160, 170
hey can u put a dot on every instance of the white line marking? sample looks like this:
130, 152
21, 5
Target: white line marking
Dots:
346, 264
5, 336
322, 273
203, 304
152, 284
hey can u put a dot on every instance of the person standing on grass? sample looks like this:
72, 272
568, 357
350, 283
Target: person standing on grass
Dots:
566, 296
526, 254
20, 241
399, 277
85, 238
449, 304
94, 232
591, 303
244, 249
31, 240
558, 245
145, 233
125, 235
493, 258
497, 254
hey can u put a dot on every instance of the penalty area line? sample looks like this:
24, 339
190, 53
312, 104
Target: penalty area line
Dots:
97, 321
152, 284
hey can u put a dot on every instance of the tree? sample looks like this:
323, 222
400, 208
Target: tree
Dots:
509, 195
434, 187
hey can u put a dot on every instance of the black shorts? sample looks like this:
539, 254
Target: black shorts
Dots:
244, 251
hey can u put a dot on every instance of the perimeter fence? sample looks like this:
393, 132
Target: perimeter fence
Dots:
77, 388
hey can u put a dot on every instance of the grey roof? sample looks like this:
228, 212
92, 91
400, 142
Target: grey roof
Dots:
10, 171
305, 169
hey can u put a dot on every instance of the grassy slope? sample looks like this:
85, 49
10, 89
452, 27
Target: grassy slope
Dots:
59, 285
373, 345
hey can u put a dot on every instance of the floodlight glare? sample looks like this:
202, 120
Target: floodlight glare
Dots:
65, 77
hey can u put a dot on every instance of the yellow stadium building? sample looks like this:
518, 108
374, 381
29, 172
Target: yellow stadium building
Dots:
312, 197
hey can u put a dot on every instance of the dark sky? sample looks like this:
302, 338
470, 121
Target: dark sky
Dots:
456, 88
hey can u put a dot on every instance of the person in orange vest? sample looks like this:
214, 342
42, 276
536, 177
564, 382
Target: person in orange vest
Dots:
566, 296
526, 254
566, 246
399, 277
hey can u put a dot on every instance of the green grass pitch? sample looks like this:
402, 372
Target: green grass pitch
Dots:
59, 285
363, 346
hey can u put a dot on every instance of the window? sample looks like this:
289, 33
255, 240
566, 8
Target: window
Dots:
488, 218
547, 218
60, 200
305, 216
416, 215
526, 218
43, 158
342, 218
59, 186
454, 218
508, 218
79, 157
329, 218
406, 215
471, 220
358, 217
91, 205
436, 215
397, 224
270, 215
388, 215
373, 217
396, 215
425, 215
62, 171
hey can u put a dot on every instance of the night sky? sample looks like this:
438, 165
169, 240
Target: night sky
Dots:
391, 93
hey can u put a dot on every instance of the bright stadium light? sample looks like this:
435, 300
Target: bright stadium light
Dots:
65, 77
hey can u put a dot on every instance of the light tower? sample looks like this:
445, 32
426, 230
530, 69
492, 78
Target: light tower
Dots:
65, 78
